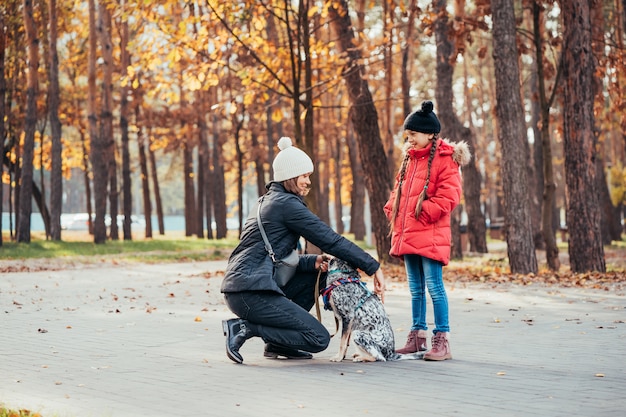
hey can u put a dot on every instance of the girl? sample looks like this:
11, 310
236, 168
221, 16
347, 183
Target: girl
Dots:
427, 189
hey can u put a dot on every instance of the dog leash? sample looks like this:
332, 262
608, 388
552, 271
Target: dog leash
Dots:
317, 303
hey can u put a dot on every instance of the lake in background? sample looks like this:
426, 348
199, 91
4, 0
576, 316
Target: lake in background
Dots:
78, 221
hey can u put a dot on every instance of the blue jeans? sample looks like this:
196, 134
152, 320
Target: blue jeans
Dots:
425, 273
283, 320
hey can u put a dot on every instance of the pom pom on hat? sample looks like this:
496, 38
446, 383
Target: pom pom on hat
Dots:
290, 162
423, 120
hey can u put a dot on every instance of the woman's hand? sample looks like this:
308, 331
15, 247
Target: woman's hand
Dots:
321, 263
379, 284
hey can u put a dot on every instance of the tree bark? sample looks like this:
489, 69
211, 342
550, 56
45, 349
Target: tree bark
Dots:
357, 196
549, 183
106, 114
3, 90
56, 172
30, 125
127, 199
143, 165
512, 137
365, 122
97, 148
157, 192
219, 194
586, 252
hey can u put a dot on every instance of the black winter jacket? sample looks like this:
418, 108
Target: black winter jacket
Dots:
285, 219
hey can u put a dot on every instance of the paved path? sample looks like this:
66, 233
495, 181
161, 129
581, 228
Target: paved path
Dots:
146, 340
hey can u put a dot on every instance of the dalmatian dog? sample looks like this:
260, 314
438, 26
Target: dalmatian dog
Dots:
361, 314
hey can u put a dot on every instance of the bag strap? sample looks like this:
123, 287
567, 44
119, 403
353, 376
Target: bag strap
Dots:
268, 246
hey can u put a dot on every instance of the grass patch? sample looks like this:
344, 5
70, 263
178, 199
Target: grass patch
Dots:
5, 412
160, 249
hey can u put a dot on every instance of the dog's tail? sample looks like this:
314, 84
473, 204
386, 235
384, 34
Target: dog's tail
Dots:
406, 356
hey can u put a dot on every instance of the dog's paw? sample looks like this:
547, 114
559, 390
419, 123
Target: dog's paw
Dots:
337, 358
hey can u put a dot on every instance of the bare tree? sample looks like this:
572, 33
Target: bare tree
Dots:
512, 136
586, 252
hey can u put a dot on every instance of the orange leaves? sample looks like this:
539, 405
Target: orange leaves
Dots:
496, 272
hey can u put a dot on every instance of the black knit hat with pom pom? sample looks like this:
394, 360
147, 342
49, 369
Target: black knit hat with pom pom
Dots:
423, 120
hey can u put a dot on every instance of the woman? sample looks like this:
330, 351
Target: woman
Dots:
427, 189
280, 315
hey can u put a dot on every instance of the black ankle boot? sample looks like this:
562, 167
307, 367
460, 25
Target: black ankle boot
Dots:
274, 351
236, 333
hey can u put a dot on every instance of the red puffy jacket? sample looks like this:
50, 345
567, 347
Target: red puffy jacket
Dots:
429, 235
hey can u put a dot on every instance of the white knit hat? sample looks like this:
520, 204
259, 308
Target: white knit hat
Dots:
290, 162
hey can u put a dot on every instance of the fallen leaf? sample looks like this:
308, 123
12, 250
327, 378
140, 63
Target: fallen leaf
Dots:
198, 318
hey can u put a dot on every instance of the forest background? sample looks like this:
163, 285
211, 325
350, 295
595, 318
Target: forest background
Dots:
119, 108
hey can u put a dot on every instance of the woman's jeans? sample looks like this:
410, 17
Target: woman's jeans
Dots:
283, 320
425, 273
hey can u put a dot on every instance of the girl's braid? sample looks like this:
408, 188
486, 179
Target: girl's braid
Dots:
396, 201
423, 195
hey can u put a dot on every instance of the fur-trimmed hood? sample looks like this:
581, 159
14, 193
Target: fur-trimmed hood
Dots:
459, 151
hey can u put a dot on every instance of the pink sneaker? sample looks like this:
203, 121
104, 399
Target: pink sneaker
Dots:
440, 350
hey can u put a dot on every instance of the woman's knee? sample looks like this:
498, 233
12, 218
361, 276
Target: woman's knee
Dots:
319, 341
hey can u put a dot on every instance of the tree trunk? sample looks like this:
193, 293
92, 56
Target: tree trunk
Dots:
127, 199
258, 162
219, 195
237, 127
454, 129
586, 252
56, 172
3, 90
512, 137
97, 148
310, 139
157, 192
143, 166
30, 125
549, 183
357, 196
538, 180
190, 217
336, 148
87, 181
204, 168
365, 122
106, 114
388, 54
